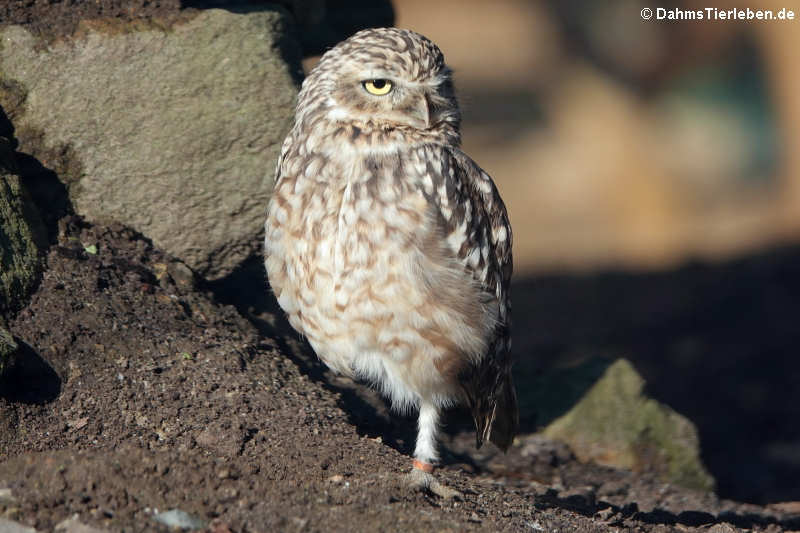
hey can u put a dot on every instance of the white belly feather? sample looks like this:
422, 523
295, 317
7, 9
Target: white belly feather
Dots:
346, 262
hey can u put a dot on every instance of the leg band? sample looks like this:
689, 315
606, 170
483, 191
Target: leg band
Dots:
421, 465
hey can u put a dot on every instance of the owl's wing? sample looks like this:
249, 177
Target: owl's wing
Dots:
288, 142
486, 253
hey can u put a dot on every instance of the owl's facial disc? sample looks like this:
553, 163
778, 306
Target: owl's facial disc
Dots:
382, 96
397, 103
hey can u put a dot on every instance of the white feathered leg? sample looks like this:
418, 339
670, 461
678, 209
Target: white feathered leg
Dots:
425, 454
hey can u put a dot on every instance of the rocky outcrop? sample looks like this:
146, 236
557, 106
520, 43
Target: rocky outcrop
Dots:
173, 129
615, 424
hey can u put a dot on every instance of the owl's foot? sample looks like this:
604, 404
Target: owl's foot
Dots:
423, 479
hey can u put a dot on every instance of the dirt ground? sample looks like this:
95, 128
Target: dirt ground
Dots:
136, 393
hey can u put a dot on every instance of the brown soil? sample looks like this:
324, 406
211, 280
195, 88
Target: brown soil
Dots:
136, 392
55, 18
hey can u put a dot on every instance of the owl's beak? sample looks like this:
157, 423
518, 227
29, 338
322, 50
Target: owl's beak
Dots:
424, 113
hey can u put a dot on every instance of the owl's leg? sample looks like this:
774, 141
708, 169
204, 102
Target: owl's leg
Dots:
425, 454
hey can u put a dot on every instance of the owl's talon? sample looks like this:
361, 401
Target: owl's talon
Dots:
420, 480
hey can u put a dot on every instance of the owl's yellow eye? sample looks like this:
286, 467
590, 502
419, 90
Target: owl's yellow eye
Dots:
378, 87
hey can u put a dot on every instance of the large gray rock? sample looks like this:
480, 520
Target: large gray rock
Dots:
173, 130
21, 237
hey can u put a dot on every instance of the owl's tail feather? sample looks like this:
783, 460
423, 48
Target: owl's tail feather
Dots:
506, 419
498, 419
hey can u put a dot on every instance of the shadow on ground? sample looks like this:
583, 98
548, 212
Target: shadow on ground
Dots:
716, 342
30, 380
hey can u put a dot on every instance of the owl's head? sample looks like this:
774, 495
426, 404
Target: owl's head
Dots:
385, 79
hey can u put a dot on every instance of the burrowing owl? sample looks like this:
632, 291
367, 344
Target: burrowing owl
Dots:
388, 247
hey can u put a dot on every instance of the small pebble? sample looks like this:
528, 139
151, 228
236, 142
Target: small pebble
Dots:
6, 496
73, 525
179, 519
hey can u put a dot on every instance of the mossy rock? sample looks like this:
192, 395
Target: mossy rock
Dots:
615, 424
21, 237
7, 349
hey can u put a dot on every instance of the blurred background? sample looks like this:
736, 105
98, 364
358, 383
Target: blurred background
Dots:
620, 142
652, 176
